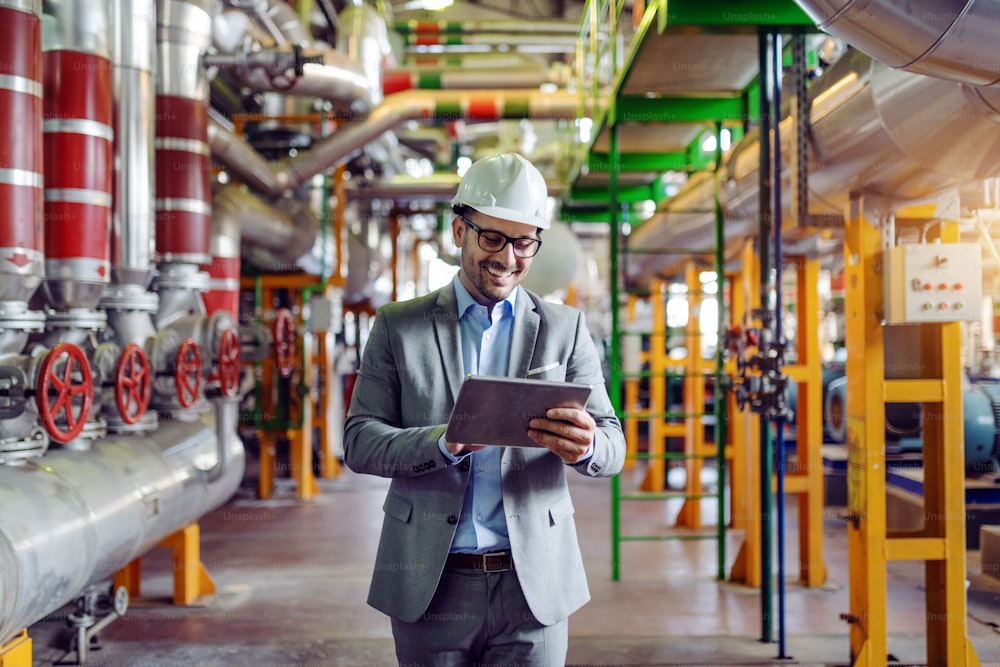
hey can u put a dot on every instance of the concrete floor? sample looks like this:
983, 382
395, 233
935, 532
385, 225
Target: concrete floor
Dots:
292, 578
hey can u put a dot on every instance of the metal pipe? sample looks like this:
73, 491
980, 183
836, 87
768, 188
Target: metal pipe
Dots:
134, 41
224, 271
418, 27
21, 171
78, 148
873, 128
183, 196
71, 519
949, 40
243, 160
394, 81
429, 105
363, 36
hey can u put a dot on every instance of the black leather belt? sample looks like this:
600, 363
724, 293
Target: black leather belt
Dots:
495, 562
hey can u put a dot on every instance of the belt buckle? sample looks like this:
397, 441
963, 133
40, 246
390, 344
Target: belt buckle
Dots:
499, 567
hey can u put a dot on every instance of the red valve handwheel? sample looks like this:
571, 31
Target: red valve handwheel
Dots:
187, 375
229, 362
284, 342
132, 384
59, 383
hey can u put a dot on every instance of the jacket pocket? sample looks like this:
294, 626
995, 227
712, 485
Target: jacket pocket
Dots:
398, 508
561, 511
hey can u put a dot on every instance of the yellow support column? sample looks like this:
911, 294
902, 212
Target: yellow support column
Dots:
300, 439
809, 425
632, 358
656, 468
694, 405
866, 529
744, 434
16, 652
265, 474
944, 493
191, 579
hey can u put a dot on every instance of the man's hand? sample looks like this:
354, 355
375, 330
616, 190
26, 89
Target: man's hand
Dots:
566, 432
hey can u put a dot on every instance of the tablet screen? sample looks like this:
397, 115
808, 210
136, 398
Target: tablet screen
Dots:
496, 410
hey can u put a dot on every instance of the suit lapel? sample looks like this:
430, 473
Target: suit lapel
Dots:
523, 335
444, 316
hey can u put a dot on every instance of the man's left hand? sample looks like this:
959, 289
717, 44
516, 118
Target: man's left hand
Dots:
566, 432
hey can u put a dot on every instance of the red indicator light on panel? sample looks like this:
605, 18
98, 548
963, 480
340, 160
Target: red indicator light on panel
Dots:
928, 286
958, 285
943, 286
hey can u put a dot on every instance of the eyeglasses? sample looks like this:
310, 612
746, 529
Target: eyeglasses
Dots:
492, 241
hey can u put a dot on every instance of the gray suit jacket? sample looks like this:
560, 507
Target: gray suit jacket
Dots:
410, 374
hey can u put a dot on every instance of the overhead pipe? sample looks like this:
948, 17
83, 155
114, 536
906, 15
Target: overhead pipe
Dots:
448, 78
420, 27
536, 43
954, 40
426, 105
429, 105
873, 128
78, 147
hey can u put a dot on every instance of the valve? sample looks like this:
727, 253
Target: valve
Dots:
63, 376
228, 362
132, 384
283, 342
187, 373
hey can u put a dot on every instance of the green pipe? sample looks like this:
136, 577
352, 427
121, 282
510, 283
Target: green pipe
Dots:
718, 394
615, 351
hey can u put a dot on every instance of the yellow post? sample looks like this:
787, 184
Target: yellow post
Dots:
265, 474
744, 433
191, 579
809, 425
656, 470
16, 652
694, 405
866, 527
129, 577
944, 493
300, 439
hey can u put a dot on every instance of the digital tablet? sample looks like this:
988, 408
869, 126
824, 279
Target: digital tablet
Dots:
496, 410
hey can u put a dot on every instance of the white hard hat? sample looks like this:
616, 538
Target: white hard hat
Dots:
505, 186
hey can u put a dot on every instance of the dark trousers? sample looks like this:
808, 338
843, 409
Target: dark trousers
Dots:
479, 619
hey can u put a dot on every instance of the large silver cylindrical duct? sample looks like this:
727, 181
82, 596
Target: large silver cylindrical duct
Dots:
134, 29
873, 128
949, 39
363, 36
72, 519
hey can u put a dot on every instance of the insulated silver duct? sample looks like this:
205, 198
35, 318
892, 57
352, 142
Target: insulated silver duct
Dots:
949, 39
134, 29
72, 519
874, 129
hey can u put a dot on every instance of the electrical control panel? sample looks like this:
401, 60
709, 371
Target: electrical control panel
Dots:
939, 282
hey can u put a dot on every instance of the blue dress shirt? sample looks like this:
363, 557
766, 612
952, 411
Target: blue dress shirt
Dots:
482, 526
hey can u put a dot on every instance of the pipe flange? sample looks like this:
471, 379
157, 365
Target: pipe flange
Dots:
183, 277
29, 321
92, 430
17, 450
129, 297
118, 426
81, 318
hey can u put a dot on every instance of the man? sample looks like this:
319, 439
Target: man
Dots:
479, 562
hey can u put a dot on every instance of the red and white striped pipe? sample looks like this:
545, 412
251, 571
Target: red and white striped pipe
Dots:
21, 176
78, 140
